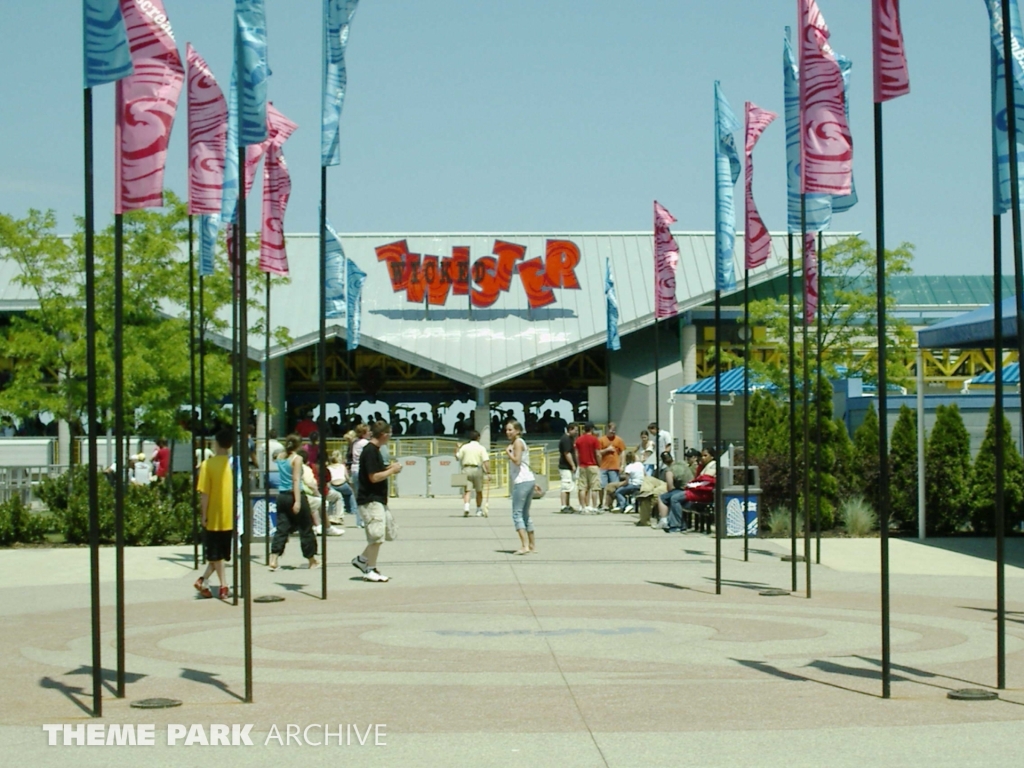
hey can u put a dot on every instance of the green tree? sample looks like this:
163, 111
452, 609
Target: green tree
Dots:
947, 472
903, 471
865, 457
843, 467
848, 310
982, 487
824, 483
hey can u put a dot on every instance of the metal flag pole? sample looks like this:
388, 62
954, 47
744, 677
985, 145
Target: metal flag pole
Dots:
792, 415
235, 356
321, 354
266, 430
746, 409
1018, 283
119, 436
202, 372
806, 398
243, 420
719, 516
90, 409
657, 381
883, 413
192, 388
1000, 468
818, 388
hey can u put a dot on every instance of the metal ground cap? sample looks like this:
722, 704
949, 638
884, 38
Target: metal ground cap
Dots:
972, 694
268, 599
774, 592
157, 703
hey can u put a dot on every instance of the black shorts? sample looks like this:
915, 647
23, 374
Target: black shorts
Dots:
217, 545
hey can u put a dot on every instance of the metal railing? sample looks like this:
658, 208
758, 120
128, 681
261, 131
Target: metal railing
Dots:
24, 482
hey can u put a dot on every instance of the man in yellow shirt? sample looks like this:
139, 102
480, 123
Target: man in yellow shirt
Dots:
217, 488
475, 464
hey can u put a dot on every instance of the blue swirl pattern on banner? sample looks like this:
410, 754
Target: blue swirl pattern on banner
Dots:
843, 203
337, 17
229, 190
105, 45
727, 171
251, 31
209, 226
354, 279
334, 281
1001, 198
613, 307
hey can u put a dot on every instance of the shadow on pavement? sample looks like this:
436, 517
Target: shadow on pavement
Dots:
108, 676
768, 669
74, 694
757, 586
209, 678
984, 548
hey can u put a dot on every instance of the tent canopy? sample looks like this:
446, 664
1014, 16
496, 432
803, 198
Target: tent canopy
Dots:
972, 330
1011, 375
732, 384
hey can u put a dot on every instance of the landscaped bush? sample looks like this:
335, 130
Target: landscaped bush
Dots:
982, 488
947, 472
857, 516
903, 471
19, 525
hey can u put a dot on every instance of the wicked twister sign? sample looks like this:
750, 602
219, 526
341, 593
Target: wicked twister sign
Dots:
433, 278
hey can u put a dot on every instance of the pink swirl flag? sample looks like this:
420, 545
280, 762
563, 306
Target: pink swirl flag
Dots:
277, 187
207, 136
810, 279
826, 146
146, 102
666, 259
757, 243
892, 78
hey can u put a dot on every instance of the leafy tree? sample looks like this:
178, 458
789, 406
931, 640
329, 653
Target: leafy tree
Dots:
947, 471
982, 487
865, 457
844, 463
903, 470
769, 448
849, 317
823, 446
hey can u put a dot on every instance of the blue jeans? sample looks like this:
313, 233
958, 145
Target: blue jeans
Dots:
622, 492
350, 500
522, 496
674, 501
609, 476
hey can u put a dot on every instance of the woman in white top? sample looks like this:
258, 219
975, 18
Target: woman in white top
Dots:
646, 454
522, 486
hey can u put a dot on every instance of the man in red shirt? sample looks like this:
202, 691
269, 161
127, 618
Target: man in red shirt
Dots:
589, 481
162, 459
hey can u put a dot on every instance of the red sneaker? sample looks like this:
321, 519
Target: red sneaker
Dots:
223, 593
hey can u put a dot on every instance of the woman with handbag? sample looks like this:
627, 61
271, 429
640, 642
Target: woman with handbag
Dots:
523, 482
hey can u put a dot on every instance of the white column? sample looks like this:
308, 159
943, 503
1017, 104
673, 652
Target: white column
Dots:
64, 443
482, 417
920, 444
688, 354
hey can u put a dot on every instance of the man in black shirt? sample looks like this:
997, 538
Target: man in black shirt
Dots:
372, 499
567, 466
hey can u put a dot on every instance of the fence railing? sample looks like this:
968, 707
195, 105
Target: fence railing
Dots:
24, 481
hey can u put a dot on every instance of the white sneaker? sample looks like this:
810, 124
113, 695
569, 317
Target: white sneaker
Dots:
465, 508
317, 530
663, 523
628, 509
374, 575
479, 512
360, 563
335, 531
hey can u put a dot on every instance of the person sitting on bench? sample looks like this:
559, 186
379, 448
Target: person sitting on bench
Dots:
670, 503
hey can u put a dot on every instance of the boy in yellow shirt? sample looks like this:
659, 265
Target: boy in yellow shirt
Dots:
216, 484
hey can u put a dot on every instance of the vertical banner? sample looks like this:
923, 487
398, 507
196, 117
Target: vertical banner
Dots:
209, 225
251, 29
826, 147
337, 18
757, 242
230, 188
354, 279
147, 102
1000, 138
843, 203
810, 278
666, 260
105, 43
334, 282
612, 306
277, 187
892, 79
207, 136
727, 172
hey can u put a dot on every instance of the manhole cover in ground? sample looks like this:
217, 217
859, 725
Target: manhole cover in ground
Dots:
972, 694
156, 703
268, 599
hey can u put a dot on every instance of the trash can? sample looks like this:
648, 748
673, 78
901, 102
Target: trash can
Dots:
261, 505
741, 510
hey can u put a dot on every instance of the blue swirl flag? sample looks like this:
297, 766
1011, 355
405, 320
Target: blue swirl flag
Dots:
1001, 198
209, 226
334, 281
354, 279
727, 171
612, 302
843, 203
251, 36
230, 188
337, 17
105, 44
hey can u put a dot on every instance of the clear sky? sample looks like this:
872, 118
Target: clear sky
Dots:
552, 116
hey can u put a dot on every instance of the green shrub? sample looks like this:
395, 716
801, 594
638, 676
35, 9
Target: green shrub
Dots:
982, 488
779, 522
857, 516
865, 457
19, 525
903, 471
947, 472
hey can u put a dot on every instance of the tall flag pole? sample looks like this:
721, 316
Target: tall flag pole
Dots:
757, 246
891, 79
106, 59
666, 261
146, 103
337, 15
727, 172
207, 136
1006, 186
826, 166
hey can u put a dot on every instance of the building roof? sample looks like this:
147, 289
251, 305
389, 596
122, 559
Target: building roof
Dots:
732, 384
974, 329
1011, 375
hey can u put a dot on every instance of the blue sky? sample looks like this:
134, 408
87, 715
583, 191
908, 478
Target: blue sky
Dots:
552, 116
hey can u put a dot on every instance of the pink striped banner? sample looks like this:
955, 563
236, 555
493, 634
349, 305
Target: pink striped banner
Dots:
277, 187
666, 260
892, 78
146, 103
207, 136
826, 146
757, 243
810, 278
